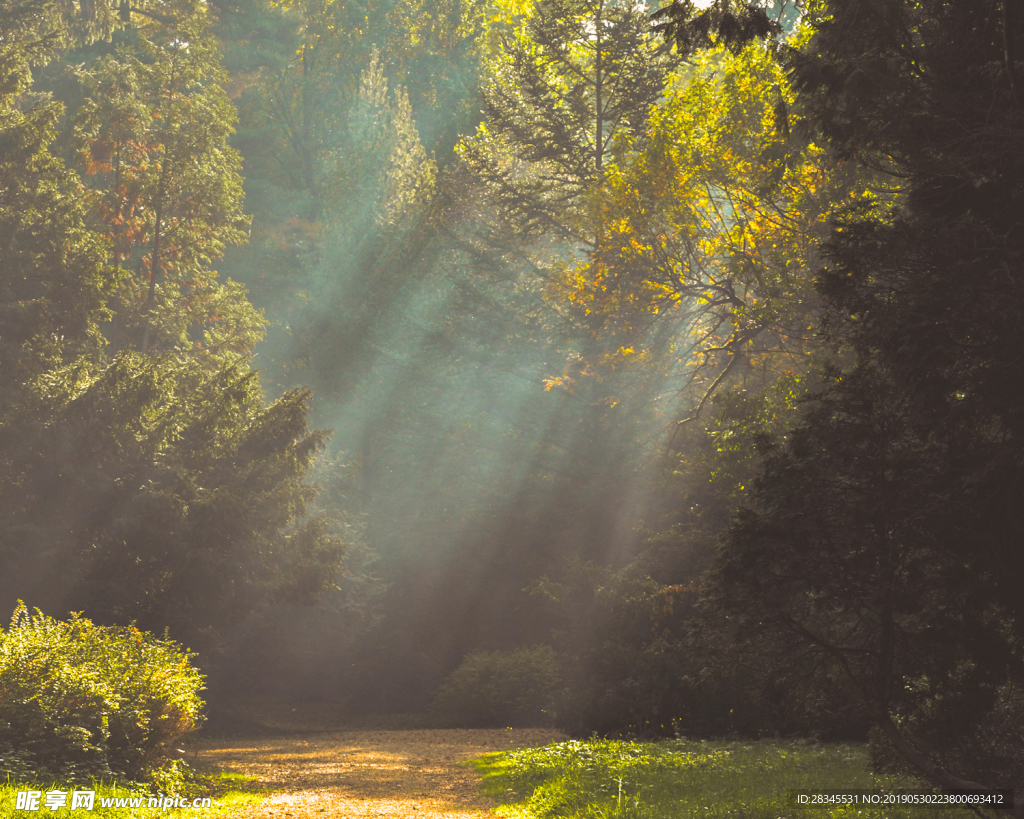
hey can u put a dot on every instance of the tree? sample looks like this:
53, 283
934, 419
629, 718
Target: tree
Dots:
713, 221
302, 101
721, 23
681, 246
163, 491
52, 276
376, 238
154, 134
883, 543
567, 84
570, 79
340, 180
858, 558
137, 486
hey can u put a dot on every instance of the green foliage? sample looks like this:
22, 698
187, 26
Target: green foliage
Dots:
162, 490
308, 645
601, 779
303, 111
623, 670
498, 688
989, 744
52, 277
153, 136
881, 545
340, 182
719, 23
79, 700
642, 657
712, 219
569, 80
42, 28
848, 567
181, 499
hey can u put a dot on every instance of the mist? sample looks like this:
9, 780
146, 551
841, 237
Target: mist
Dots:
560, 364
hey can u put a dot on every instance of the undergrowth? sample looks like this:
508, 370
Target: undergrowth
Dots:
678, 779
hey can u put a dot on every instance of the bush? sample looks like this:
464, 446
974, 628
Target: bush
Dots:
79, 700
499, 688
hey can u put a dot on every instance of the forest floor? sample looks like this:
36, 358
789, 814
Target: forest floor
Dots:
361, 773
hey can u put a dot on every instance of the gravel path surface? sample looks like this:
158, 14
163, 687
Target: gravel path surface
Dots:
363, 774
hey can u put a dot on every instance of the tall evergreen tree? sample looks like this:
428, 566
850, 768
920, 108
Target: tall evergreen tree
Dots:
153, 134
156, 488
884, 539
567, 81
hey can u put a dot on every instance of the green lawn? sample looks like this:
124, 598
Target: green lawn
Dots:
223, 792
678, 779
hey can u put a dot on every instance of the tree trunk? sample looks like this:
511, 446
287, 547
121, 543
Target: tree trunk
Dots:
932, 772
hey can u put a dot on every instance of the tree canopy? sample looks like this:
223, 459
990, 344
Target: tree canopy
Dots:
143, 481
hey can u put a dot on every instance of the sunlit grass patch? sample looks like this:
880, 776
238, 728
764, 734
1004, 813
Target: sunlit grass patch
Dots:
230, 776
607, 779
227, 794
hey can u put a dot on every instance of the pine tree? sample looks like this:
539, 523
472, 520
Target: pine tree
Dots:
567, 82
153, 135
52, 274
883, 541
135, 486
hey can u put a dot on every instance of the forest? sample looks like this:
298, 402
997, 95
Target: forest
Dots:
641, 371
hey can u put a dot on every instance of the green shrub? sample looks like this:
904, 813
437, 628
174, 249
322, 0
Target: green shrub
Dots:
79, 700
499, 688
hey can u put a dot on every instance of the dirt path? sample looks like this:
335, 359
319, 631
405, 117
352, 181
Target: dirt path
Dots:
363, 774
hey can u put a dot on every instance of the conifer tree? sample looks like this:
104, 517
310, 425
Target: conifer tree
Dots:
52, 275
566, 82
153, 135
136, 486
883, 540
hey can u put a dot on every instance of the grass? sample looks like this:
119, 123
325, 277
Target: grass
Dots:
227, 793
678, 779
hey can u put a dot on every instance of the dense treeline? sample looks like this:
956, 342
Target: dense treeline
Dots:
684, 346
145, 478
